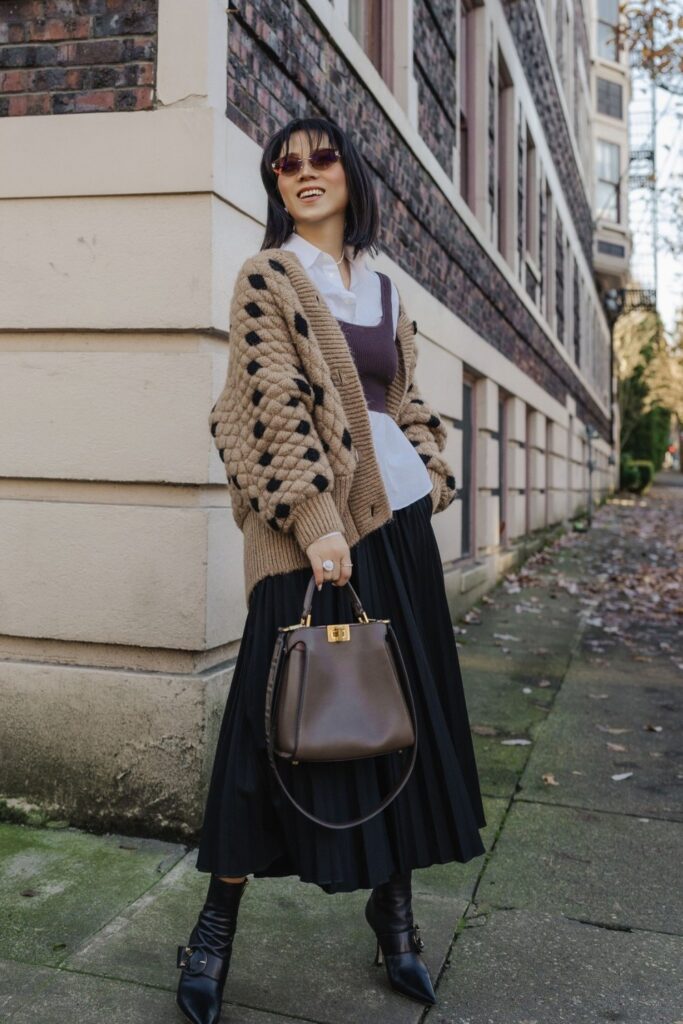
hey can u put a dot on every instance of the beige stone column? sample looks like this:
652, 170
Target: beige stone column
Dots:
515, 410
121, 596
486, 418
557, 472
536, 441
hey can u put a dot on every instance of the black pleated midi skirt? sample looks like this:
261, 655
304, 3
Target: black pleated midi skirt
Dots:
250, 827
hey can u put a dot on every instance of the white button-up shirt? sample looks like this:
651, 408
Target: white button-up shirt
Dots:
403, 472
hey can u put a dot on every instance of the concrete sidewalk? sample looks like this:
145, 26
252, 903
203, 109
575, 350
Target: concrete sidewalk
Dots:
574, 672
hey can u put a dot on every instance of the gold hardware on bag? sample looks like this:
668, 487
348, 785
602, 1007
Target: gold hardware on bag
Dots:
337, 633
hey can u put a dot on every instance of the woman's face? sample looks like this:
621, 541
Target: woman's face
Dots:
332, 181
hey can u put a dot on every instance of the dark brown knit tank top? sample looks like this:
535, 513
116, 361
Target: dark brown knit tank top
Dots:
374, 350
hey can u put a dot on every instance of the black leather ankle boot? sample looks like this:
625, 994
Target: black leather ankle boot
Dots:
206, 958
389, 914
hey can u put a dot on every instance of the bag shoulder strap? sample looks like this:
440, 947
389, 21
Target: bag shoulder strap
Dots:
277, 660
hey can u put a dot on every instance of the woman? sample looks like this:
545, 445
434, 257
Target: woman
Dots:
334, 465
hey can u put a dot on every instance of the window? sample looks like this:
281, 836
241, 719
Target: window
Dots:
467, 490
612, 249
559, 279
568, 294
607, 173
608, 29
371, 22
531, 219
505, 160
610, 98
466, 56
548, 270
578, 312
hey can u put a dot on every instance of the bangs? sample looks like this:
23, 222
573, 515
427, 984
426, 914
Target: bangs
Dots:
361, 227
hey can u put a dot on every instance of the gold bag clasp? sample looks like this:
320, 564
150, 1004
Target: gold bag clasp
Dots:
339, 632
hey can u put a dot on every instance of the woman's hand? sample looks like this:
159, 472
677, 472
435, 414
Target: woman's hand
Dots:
336, 549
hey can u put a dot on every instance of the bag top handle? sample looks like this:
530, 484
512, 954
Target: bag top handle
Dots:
358, 609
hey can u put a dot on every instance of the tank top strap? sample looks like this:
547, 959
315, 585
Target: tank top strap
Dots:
385, 292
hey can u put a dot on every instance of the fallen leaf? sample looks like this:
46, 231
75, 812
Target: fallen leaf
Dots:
484, 730
527, 689
516, 743
543, 682
652, 728
617, 747
612, 730
550, 779
506, 636
621, 776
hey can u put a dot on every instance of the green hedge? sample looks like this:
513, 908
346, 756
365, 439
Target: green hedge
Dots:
650, 438
636, 475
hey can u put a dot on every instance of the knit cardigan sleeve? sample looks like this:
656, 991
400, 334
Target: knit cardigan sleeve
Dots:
426, 431
263, 424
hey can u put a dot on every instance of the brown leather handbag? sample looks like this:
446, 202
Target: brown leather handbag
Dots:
338, 693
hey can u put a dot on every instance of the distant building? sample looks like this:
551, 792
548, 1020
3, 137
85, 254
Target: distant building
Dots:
131, 195
611, 88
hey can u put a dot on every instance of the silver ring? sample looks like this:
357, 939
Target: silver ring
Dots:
328, 564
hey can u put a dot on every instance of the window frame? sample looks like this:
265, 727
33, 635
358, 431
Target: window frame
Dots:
602, 209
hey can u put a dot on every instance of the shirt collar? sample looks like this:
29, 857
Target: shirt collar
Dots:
309, 253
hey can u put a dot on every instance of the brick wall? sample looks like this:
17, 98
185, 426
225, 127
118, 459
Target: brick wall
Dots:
434, 67
268, 83
523, 19
77, 56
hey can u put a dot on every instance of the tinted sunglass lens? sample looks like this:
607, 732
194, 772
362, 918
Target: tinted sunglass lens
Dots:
320, 159
323, 158
289, 164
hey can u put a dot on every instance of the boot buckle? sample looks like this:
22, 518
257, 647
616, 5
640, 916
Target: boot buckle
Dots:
417, 939
192, 959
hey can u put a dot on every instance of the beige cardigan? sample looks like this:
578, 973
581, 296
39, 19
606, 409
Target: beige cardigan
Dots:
291, 423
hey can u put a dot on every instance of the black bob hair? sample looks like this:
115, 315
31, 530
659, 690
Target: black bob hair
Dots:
361, 225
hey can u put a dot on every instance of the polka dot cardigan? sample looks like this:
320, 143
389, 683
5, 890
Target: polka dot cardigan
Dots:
291, 422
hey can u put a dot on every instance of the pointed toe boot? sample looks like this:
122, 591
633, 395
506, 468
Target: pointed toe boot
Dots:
205, 960
389, 914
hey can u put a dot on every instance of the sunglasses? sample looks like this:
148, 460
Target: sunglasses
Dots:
319, 159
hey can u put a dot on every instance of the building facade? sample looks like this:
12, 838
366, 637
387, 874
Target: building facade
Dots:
130, 139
